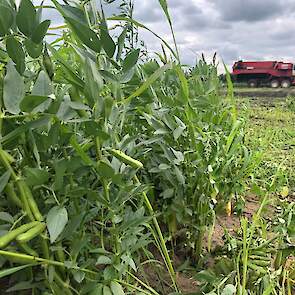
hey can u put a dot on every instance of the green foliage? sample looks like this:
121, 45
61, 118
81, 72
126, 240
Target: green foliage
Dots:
107, 149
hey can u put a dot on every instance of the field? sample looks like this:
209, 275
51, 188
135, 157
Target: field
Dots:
122, 173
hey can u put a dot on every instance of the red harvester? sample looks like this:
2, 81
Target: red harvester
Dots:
256, 73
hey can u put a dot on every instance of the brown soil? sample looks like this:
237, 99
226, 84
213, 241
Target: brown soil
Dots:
160, 281
232, 223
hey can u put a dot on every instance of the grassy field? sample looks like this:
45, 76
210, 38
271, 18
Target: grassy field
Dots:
271, 129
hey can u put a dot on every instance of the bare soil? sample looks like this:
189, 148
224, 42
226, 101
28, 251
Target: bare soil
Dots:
160, 281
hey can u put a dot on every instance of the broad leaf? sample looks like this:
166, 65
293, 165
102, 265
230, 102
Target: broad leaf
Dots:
43, 85
34, 50
40, 32
30, 102
107, 291
26, 17
14, 89
78, 275
16, 53
56, 220
103, 260
36, 176
74, 13
6, 18
105, 170
117, 289
121, 42
85, 34
94, 82
131, 59
107, 42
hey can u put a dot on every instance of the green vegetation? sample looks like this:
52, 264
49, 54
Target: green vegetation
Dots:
116, 167
271, 129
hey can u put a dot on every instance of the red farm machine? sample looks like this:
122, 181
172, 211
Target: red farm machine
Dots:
258, 73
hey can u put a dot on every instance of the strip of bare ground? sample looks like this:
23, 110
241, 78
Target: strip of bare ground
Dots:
264, 92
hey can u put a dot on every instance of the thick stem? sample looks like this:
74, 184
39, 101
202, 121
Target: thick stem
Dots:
199, 244
42, 260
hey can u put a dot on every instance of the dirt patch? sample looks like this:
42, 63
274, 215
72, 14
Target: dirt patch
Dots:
158, 277
232, 223
186, 284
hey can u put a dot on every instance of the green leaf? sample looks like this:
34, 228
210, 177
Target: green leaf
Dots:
206, 276
4, 180
85, 34
104, 260
11, 136
6, 217
56, 220
36, 176
107, 42
78, 275
40, 32
30, 102
86, 159
75, 79
6, 18
108, 105
229, 290
97, 290
34, 50
74, 13
14, 89
164, 6
149, 81
93, 81
121, 42
117, 289
131, 59
183, 83
26, 17
26, 285
107, 290
140, 25
43, 85
16, 53
105, 170
10, 271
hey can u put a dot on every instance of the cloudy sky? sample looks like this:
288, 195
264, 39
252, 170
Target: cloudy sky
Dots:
247, 29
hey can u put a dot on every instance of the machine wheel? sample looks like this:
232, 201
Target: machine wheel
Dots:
274, 83
252, 83
286, 83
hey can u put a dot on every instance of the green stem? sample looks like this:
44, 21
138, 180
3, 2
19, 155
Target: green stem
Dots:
7, 165
199, 244
62, 284
1, 121
160, 236
132, 287
247, 243
42, 260
143, 284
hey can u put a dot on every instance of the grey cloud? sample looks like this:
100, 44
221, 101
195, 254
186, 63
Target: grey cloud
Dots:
249, 10
147, 13
248, 29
